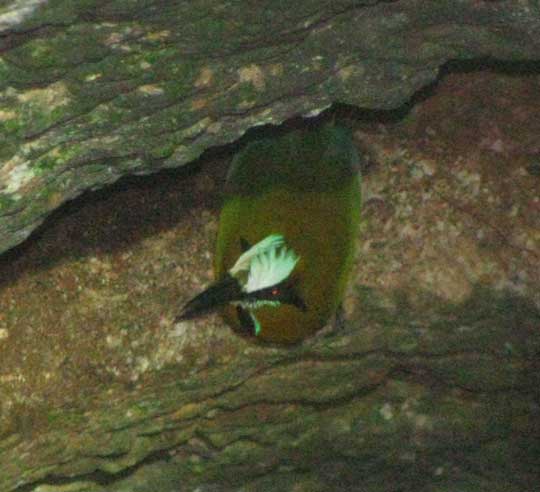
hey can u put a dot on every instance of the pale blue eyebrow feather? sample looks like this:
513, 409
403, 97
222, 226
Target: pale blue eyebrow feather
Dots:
267, 263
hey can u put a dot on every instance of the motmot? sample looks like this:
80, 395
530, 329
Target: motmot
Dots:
286, 237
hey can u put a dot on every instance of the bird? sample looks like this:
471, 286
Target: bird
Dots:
286, 237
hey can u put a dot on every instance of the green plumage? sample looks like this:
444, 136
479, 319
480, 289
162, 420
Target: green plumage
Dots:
304, 186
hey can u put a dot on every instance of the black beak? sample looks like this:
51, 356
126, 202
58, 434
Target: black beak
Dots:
218, 294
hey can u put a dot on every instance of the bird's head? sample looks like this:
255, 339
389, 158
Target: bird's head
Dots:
261, 276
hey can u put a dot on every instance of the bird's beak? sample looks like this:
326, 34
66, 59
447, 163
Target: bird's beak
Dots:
219, 294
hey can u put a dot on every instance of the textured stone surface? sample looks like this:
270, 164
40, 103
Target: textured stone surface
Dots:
432, 385
92, 90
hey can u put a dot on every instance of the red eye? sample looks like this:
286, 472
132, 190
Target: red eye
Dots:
275, 292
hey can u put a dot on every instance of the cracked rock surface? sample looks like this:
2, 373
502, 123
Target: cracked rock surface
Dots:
431, 384
91, 91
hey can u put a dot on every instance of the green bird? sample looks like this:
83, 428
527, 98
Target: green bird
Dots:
286, 238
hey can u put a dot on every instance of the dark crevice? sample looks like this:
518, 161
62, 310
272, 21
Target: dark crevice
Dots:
318, 405
11, 38
427, 376
99, 477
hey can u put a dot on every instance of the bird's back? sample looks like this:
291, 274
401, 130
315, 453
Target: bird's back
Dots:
305, 187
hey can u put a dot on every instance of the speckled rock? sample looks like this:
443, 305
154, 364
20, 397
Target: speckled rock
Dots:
431, 385
92, 91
